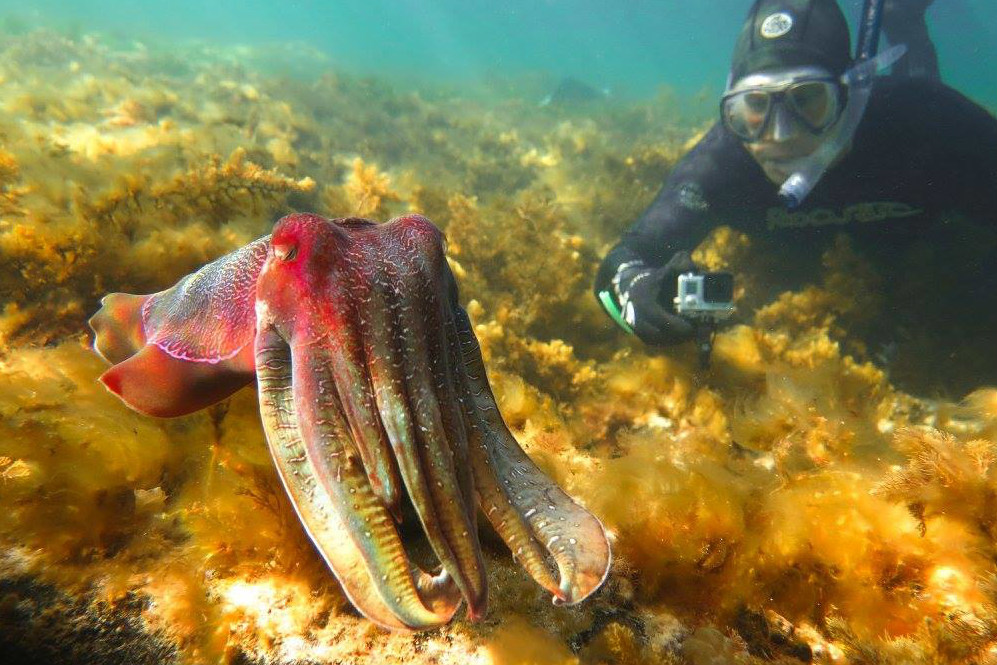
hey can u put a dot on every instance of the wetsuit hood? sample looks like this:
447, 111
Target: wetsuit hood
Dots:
792, 33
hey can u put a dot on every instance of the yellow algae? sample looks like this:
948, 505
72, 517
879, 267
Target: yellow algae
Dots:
92, 143
945, 477
10, 190
368, 190
708, 646
616, 644
978, 413
983, 402
722, 249
59, 425
518, 643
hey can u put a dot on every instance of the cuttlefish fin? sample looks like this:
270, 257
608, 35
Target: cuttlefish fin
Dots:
117, 326
157, 384
209, 315
185, 348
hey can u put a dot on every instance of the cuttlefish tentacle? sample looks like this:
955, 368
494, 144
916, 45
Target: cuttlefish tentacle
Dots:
332, 494
527, 508
417, 406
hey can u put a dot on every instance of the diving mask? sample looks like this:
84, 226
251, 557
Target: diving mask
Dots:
811, 96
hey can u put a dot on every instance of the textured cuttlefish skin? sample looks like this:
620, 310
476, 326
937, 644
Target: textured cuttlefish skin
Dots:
371, 388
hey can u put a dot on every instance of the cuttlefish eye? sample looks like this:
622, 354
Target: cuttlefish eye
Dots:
285, 252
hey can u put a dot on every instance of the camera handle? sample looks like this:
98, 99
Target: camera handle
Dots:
706, 331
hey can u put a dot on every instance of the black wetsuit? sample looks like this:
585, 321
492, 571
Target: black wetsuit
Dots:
916, 194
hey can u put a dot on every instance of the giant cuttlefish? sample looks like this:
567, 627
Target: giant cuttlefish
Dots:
372, 393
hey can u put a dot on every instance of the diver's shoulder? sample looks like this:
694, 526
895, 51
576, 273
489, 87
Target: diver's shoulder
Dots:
922, 97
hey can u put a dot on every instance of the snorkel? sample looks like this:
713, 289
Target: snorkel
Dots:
858, 81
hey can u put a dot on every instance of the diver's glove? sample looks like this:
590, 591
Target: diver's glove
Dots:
645, 298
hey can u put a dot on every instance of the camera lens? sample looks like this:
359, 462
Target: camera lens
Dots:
718, 287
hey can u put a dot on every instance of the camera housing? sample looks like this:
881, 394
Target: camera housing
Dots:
705, 296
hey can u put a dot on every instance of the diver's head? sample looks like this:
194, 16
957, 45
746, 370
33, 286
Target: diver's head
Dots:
784, 91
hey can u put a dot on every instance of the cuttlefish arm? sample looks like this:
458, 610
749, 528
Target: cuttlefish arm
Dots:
323, 475
561, 545
185, 348
346, 308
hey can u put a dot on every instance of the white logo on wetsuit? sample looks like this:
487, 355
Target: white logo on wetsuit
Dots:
776, 25
863, 213
691, 197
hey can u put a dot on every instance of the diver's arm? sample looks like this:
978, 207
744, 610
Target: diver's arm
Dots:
636, 280
904, 23
708, 177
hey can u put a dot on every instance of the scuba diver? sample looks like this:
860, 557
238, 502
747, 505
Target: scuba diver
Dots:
810, 146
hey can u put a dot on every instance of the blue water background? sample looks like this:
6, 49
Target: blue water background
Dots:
632, 47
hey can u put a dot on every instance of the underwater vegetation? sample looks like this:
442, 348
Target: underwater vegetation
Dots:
789, 505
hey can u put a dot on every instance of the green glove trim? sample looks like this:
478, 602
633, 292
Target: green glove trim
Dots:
614, 311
